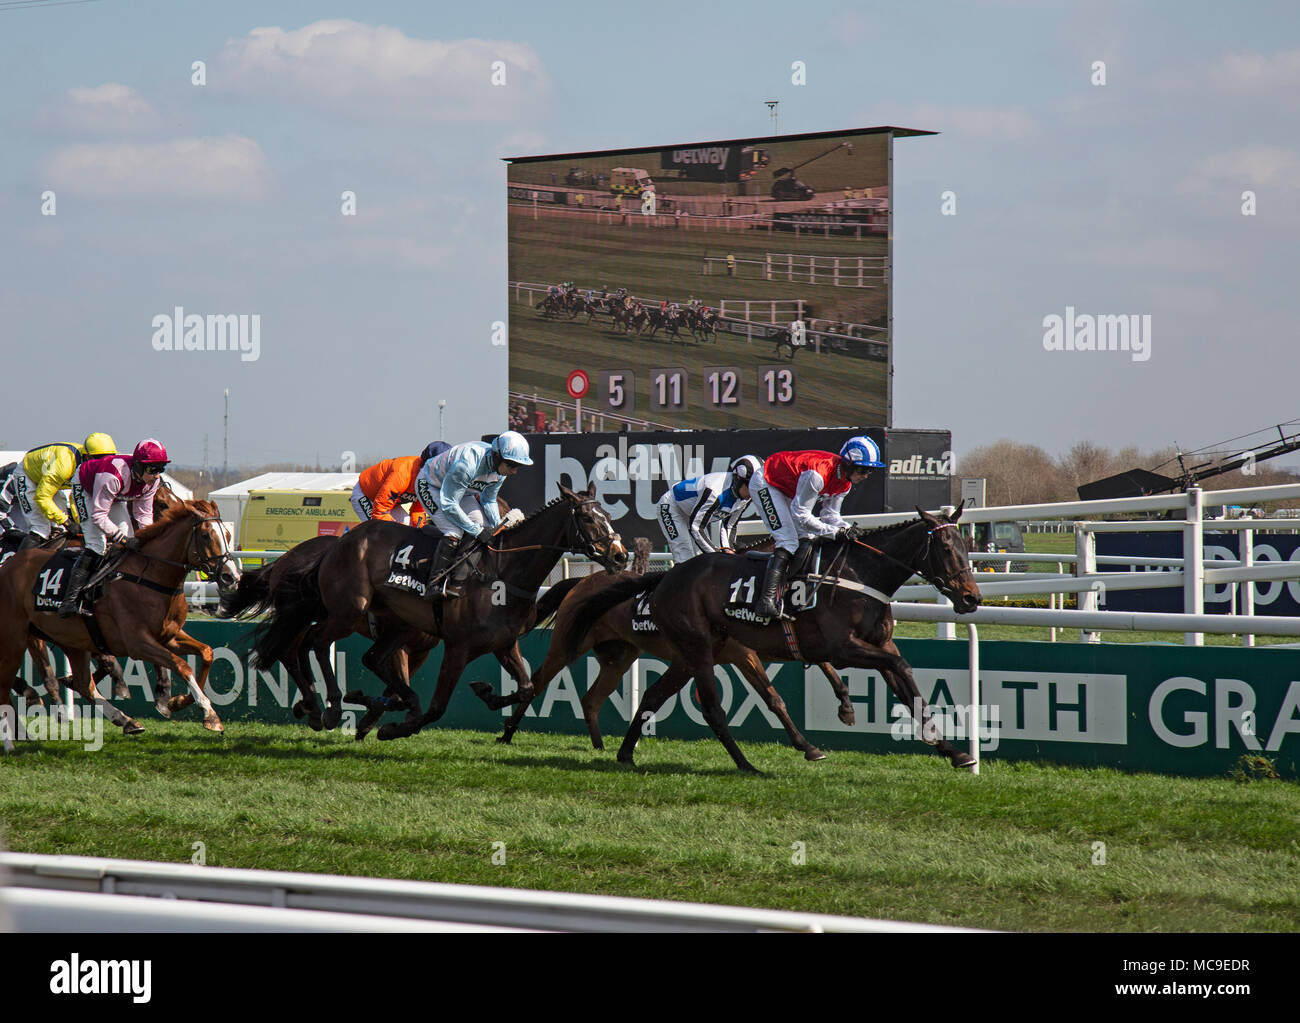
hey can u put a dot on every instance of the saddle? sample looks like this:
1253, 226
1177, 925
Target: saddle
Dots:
411, 564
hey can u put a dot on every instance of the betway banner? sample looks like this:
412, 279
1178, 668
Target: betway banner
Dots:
1271, 598
633, 471
1174, 710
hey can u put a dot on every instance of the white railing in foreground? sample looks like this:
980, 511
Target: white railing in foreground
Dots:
395, 904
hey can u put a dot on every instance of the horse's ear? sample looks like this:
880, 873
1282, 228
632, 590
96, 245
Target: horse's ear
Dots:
591, 489
565, 491
926, 516
957, 514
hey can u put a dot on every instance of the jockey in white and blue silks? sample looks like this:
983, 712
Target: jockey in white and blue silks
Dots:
459, 487
689, 508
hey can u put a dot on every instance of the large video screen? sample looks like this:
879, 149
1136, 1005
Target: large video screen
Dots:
740, 284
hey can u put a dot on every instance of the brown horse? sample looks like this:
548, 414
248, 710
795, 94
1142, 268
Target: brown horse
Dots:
616, 644
105, 666
851, 625
497, 607
139, 614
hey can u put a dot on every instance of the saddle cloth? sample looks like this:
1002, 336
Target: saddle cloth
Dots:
52, 581
411, 564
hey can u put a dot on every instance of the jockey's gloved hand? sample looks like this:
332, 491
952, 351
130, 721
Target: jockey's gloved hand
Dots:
130, 543
513, 517
848, 533
72, 528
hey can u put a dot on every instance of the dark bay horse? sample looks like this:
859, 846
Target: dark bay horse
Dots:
140, 612
616, 643
497, 606
851, 625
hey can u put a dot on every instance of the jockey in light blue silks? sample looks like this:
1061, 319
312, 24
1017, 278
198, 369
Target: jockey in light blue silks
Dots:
458, 490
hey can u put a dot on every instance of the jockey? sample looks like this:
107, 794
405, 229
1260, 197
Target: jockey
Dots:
100, 493
42, 473
686, 511
459, 488
786, 489
382, 489
663, 307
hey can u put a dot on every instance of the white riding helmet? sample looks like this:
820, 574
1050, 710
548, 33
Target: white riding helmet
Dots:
742, 471
512, 447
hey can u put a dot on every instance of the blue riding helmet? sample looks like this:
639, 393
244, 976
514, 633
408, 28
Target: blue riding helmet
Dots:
512, 447
862, 452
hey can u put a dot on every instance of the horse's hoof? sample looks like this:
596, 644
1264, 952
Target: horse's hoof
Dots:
846, 716
598, 746
332, 716
120, 691
213, 723
298, 709
626, 758
961, 760
504, 739
388, 732
163, 710
132, 727
814, 754
316, 724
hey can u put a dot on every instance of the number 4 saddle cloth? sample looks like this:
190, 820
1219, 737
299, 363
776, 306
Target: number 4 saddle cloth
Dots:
411, 564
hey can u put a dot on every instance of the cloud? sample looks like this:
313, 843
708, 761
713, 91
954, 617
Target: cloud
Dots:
108, 109
231, 166
1259, 73
381, 70
1269, 167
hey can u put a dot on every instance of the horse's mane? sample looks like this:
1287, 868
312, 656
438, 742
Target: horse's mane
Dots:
180, 510
893, 526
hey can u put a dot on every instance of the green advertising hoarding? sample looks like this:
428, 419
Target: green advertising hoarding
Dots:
1169, 709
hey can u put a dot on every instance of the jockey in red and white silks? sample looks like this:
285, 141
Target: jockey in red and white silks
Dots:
785, 491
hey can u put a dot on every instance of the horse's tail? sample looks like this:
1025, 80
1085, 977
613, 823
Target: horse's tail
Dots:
554, 597
295, 602
591, 609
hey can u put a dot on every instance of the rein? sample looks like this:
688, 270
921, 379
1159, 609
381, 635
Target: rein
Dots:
916, 569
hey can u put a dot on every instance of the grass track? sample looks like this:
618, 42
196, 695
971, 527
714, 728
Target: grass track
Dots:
898, 836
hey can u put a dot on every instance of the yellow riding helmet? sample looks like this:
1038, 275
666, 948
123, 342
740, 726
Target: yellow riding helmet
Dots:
99, 444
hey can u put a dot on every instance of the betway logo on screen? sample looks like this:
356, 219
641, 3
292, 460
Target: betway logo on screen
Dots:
715, 156
639, 471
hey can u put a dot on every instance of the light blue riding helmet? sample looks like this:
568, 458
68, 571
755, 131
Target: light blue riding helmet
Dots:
512, 447
863, 452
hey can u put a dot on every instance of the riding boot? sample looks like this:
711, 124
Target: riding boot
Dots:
773, 580
448, 548
86, 562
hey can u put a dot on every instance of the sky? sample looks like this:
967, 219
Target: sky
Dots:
1122, 198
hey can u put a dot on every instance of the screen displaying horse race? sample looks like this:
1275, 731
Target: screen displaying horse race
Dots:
736, 284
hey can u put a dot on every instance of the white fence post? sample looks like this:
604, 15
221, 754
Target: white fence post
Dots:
1193, 563
1085, 564
1247, 548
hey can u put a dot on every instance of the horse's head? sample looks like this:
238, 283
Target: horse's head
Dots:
945, 564
210, 543
595, 535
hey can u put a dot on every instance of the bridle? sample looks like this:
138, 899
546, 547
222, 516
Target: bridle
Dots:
209, 566
919, 568
576, 542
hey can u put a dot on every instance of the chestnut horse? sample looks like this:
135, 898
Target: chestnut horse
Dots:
139, 614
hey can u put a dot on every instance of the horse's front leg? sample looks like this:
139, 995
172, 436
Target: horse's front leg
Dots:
896, 672
181, 645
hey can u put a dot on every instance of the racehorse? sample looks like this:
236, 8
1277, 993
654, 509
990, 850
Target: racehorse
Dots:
703, 324
616, 643
139, 614
496, 607
850, 626
105, 666
784, 339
